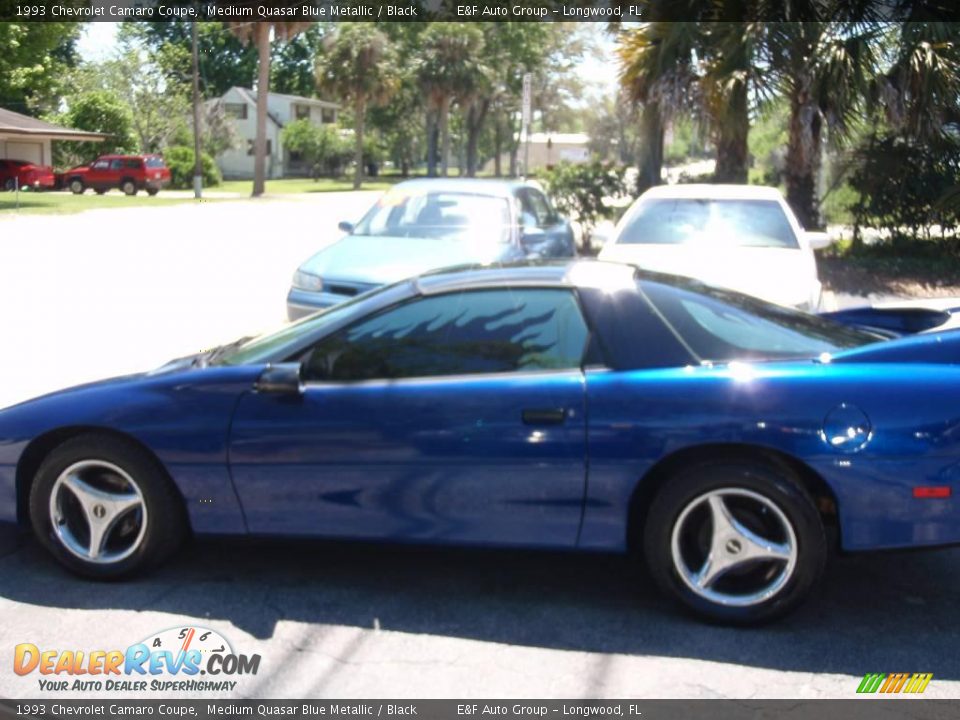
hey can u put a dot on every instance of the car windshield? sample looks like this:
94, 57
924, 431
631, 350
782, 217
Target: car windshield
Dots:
264, 346
412, 212
691, 221
720, 325
155, 162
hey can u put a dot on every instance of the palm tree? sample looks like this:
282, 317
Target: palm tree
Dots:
823, 70
656, 71
357, 65
259, 33
447, 72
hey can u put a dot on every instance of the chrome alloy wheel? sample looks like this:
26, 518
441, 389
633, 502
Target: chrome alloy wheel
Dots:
98, 512
733, 547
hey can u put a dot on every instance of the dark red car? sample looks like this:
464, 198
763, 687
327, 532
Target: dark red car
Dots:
19, 173
129, 173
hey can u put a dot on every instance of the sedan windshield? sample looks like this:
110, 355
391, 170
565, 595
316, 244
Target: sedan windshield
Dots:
690, 221
406, 212
720, 326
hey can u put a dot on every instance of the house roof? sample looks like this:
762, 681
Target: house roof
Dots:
12, 123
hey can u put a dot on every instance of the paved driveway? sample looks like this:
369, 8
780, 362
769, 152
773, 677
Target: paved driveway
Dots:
87, 295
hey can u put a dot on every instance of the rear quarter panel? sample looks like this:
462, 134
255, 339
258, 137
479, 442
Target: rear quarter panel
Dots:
638, 418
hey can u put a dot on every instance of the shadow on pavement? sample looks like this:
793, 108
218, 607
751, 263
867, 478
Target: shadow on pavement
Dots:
874, 613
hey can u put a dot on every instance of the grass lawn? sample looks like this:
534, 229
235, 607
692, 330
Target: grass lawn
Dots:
60, 203
296, 186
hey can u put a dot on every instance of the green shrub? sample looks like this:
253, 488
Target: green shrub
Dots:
180, 159
579, 191
322, 148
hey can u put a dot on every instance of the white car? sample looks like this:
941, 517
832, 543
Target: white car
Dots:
741, 237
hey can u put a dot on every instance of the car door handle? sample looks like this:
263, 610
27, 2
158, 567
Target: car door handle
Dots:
544, 416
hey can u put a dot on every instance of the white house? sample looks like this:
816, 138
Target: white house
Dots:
548, 149
241, 104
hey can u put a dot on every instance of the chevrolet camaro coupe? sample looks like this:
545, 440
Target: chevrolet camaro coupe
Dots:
583, 405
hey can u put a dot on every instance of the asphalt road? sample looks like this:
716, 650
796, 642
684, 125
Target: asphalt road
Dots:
89, 295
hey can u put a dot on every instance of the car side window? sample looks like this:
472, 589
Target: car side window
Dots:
101, 164
542, 209
472, 332
116, 164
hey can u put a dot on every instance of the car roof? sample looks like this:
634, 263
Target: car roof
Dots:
557, 273
714, 192
481, 186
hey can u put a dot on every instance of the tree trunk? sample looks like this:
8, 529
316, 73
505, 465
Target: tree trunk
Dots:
263, 88
445, 136
650, 161
431, 143
476, 116
803, 160
497, 145
360, 112
732, 154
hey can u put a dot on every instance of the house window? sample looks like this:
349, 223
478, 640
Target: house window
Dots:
329, 115
237, 110
250, 146
302, 112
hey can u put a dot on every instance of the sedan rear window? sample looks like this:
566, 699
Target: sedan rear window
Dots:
691, 221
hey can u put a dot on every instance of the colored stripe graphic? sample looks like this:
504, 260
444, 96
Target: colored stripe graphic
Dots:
894, 682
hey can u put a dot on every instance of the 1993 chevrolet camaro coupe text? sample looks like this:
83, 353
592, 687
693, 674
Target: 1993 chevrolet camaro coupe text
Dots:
581, 405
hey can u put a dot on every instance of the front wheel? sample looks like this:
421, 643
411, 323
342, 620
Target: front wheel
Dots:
77, 187
104, 508
735, 542
128, 187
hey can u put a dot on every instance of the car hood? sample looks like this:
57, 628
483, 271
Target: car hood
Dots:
786, 276
381, 260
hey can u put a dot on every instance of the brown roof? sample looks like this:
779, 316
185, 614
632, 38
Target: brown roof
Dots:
12, 123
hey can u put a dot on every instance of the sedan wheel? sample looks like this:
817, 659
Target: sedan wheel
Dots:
735, 542
105, 508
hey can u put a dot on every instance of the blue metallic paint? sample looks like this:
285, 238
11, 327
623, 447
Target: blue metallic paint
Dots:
450, 460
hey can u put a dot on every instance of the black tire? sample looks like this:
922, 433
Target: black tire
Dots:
128, 187
165, 519
152, 191
10, 185
76, 186
100, 191
774, 483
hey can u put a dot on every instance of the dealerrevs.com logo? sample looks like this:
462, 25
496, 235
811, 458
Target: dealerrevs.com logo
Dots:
187, 659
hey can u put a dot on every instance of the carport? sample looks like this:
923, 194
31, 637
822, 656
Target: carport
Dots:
25, 138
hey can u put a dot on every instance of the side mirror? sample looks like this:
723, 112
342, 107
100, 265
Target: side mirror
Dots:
818, 240
346, 226
281, 378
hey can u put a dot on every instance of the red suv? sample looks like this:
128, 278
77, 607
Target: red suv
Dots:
19, 173
130, 173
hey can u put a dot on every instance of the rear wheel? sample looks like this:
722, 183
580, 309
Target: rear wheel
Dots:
10, 185
104, 508
128, 187
76, 186
735, 542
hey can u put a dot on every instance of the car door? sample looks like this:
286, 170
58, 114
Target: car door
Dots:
99, 175
543, 232
450, 418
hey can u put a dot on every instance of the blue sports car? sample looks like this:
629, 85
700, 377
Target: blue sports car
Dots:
581, 405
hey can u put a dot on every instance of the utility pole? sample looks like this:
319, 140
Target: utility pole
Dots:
197, 161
